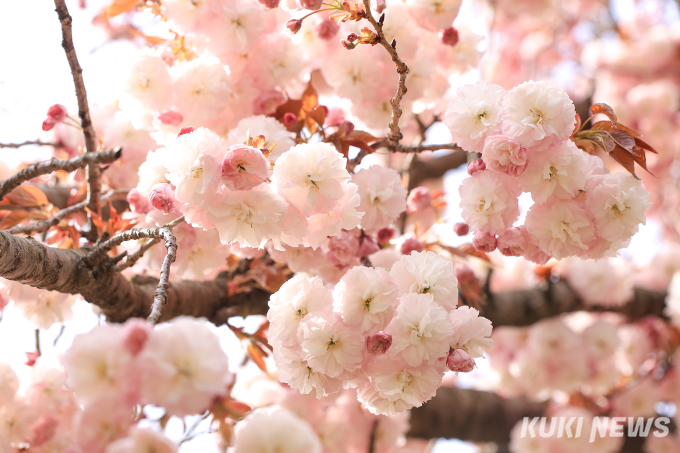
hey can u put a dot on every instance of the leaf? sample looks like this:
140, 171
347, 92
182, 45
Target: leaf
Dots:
255, 356
605, 110
26, 195
13, 219
120, 6
310, 99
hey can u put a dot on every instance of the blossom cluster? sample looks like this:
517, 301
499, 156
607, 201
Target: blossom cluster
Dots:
389, 335
580, 208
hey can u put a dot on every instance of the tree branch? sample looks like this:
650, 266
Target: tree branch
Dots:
48, 166
394, 135
436, 167
28, 142
93, 170
471, 415
45, 225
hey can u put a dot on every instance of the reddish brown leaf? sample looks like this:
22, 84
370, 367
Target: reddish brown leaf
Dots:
363, 136
318, 114
309, 98
605, 110
26, 195
14, 218
625, 159
359, 144
623, 139
255, 356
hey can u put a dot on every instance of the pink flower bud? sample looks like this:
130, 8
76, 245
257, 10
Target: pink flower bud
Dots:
294, 25
352, 37
31, 358
171, 118
367, 246
411, 244
267, 102
484, 242
269, 4
244, 167
460, 361
185, 130
512, 242
475, 166
379, 343
289, 119
461, 228
448, 36
464, 274
135, 335
162, 197
310, 4
44, 431
57, 112
326, 28
348, 125
419, 199
138, 202
385, 234
48, 124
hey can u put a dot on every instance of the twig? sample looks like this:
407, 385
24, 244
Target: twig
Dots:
93, 170
371, 440
394, 135
28, 142
400, 149
189, 434
130, 260
48, 166
42, 227
61, 332
160, 296
37, 342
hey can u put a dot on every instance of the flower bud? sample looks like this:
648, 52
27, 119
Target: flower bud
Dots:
31, 358
379, 343
347, 125
162, 197
385, 234
135, 335
138, 202
171, 118
460, 361
411, 244
461, 228
419, 199
185, 130
269, 4
310, 4
352, 37
475, 166
484, 242
57, 112
347, 45
289, 119
448, 36
464, 274
294, 25
326, 28
48, 124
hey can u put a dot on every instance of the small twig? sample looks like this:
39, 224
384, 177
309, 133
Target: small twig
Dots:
37, 342
61, 332
395, 134
27, 143
94, 185
415, 148
160, 296
132, 259
45, 225
48, 166
188, 434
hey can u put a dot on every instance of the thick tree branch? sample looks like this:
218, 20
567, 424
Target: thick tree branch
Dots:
471, 415
29, 262
436, 167
93, 170
49, 166
394, 135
